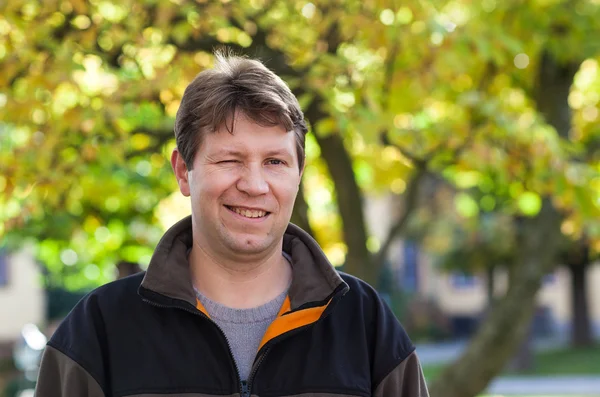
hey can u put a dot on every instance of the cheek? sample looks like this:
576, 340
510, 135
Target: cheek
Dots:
286, 193
214, 184
204, 198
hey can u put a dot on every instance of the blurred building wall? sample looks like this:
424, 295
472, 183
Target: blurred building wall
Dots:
22, 298
594, 294
466, 295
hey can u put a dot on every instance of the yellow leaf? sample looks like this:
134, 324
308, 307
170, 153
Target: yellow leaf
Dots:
325, 127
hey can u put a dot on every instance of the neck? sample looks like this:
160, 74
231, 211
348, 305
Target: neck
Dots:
239, 284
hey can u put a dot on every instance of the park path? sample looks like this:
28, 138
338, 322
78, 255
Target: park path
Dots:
546, 386
440, 353
571, 386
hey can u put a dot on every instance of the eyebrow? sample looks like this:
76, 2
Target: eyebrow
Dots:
237, 153
278, 152
228, 152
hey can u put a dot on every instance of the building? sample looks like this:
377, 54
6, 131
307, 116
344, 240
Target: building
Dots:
22, 296
463, 297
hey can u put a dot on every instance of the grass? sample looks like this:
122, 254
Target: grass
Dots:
570, 361
581, 361
432, 370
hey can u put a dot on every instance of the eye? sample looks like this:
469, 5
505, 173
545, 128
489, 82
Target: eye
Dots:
231, 161
275, 162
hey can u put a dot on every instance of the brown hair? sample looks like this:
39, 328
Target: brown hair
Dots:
235, 84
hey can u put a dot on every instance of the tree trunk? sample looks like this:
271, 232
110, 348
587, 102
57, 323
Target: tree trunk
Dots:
540, 237
581, 332
359, 261
491, 281
509, 320
552, 90
523, 360
554, 84
300, 212
126, 268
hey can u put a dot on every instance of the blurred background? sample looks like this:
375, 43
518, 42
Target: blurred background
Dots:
453, 163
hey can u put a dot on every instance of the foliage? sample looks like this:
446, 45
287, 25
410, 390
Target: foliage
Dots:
89, 91
477, 95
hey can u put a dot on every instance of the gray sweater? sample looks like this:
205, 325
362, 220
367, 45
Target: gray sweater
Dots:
244, 328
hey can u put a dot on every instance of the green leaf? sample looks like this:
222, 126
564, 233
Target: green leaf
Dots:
529, 203
466, 205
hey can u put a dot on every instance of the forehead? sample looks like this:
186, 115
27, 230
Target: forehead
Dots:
249, 136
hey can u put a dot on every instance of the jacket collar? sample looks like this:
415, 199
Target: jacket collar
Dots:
314, 279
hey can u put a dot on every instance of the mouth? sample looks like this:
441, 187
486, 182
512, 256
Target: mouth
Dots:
248, 213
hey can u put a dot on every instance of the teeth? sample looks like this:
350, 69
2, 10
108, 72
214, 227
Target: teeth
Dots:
249, 213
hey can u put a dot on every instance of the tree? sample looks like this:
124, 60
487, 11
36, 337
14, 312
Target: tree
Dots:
392, 92
578, 259
539, 246
103, 55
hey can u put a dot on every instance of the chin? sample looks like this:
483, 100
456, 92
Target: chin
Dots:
249, 244
249, 249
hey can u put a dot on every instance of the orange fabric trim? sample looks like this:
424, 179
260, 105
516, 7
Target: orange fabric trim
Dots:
283, 324
201, 307
286, 307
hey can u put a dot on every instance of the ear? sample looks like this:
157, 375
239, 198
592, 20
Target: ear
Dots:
181, 172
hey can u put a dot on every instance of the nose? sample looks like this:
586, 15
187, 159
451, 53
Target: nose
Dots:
252, 181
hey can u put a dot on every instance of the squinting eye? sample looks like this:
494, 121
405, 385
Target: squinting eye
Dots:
227, 161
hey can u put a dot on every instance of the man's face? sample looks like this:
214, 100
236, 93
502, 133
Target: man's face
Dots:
242, 187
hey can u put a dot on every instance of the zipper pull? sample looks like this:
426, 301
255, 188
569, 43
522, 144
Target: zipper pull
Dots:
245, 389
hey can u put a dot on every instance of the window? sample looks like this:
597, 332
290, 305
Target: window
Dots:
549, 279
463, 280
3, 269
410, 276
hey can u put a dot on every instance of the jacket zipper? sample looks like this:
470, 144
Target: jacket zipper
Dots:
247, 385
243, 385
261, 358
245, 389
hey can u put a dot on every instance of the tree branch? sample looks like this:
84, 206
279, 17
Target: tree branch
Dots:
388, 75
414, 159
410, 205
422, 165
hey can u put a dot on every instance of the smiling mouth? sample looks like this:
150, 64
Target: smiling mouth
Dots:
247, 213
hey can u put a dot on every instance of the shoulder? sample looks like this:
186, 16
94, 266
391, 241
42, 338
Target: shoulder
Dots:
117, 293
358, 286
388, 338
82, 335
89, 316
363, 295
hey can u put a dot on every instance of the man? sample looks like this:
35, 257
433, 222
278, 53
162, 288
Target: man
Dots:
236, 300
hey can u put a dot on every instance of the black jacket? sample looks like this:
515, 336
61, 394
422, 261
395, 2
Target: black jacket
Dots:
147, 335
